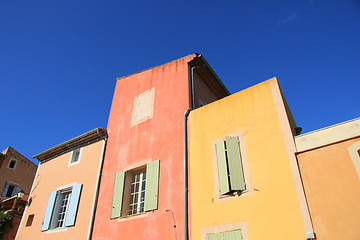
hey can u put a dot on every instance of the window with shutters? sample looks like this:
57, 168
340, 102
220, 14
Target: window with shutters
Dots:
230, 235
136, 190
62, 208
10, 189
230, 231
231, 172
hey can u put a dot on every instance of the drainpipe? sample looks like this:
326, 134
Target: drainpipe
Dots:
186, 114
97, 187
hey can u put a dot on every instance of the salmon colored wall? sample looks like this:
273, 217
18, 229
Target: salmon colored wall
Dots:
272, 210
56, 173
160, 137
332, 187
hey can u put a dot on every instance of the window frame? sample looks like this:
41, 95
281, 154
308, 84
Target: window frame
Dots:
73, 152
58, 207
245, 167
10, 161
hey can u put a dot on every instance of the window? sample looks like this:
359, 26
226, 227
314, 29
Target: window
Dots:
231, 235
230, 169
230, 231
137, 193
75, 156
136, 190
12, 164
10, 189
62, 208
29, 220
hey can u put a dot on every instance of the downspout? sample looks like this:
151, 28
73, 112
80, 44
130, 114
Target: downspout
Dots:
97, 186
186, 114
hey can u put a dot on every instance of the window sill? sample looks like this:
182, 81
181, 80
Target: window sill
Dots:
62, 229
131, 217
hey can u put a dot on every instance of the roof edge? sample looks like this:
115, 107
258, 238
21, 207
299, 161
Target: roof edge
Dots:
82, 140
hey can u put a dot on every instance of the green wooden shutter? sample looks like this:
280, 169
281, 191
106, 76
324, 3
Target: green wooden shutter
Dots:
222, 168
231, 235
152, 185
117, 195
237, 180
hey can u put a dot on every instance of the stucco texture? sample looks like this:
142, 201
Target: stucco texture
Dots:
272, 210
332, 187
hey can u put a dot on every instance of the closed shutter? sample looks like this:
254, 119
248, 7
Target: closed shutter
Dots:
152, 185
231, 235
49, 211
117, 195
73, 205
222, 168
5, 189
237, 180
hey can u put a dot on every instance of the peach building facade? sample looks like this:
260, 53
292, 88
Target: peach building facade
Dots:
63, 197
329, 161
141, 193
16, 173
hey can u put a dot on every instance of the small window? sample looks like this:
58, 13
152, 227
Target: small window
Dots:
29, 220
75, 156
136, 191
62, 208
12, 164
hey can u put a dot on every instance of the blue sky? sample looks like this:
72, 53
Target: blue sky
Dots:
59, 60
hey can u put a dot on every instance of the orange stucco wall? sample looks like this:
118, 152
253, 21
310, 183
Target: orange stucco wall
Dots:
160, 137
332, 188
56, 173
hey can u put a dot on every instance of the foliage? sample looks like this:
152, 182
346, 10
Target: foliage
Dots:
5, 219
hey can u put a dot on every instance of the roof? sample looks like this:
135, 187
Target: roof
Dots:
205, 72
11, 152
82, 140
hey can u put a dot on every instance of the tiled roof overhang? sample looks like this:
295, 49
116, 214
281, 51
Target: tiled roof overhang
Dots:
82, 140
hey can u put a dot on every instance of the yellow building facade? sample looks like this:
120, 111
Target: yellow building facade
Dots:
244, 180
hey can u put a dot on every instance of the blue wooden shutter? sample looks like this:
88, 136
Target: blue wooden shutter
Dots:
5, 189
17, 190
152, 185
222, 168
237, 180
49, 211
73, 205
117, 195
